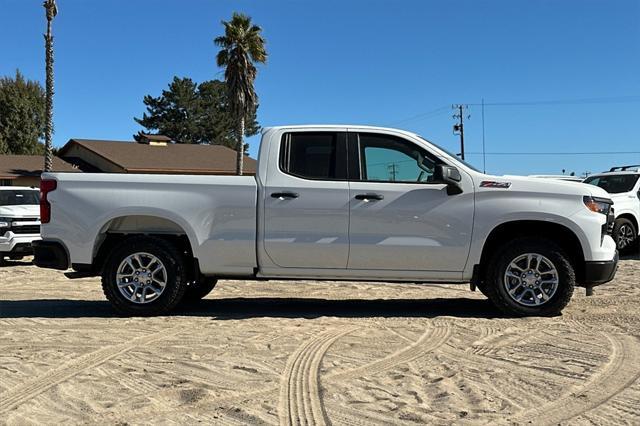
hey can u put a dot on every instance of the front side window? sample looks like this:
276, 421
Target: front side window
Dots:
613, 184
314, 155
19, 198
388, 159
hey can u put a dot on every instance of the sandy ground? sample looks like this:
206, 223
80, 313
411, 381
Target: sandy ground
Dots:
316, 353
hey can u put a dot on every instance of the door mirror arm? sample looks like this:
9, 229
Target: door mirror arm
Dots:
449, 176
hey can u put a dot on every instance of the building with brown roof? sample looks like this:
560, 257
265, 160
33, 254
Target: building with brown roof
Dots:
25, 170
155, 154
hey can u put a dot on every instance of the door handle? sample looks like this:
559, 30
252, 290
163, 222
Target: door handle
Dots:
369, 197
283, 195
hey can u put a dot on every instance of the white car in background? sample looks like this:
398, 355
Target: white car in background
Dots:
623, 183
19, 221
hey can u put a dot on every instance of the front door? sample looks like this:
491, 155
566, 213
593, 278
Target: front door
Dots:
400, 219
306, 204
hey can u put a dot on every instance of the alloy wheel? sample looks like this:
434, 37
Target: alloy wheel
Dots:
141, 277
531, 279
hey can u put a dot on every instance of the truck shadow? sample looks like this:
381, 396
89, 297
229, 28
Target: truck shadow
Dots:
633, 256
265, 307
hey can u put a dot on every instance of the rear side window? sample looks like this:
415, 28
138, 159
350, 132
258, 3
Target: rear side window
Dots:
314, 155
614, 184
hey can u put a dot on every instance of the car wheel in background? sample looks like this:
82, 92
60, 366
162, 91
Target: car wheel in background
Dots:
625, 234
530, 277
144, 276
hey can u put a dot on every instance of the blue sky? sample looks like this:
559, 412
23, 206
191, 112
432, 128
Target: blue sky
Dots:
367, 62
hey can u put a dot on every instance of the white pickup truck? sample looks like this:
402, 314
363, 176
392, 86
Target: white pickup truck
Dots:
19, 221
330, 203
623, 186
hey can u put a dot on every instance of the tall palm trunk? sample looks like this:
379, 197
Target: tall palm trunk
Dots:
48, 129
240, 145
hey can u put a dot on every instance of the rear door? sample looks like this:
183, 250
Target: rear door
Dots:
306, 201
400, 219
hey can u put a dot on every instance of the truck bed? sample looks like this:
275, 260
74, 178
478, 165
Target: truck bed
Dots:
83, 206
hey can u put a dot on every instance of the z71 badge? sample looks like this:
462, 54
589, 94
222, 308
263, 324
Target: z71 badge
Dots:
492, 184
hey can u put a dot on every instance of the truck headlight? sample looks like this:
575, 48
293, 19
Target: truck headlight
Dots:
597, 204
5, 224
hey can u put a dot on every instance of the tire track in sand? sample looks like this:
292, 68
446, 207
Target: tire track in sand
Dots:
619, 373
431, 339
300, 401
32, 388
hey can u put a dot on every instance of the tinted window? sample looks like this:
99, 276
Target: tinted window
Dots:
17, 198
388, 159
613, 184
314, 155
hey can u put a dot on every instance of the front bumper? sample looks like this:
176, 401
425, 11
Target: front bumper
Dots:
19, 244
600, 272
50, 254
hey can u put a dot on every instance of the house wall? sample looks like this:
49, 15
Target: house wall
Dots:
21, 181
76, 151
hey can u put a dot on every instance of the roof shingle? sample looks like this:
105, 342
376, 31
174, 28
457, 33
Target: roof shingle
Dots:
172, 158
12, 166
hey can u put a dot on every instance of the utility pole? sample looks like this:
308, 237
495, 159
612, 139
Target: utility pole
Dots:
458, 128
393, 171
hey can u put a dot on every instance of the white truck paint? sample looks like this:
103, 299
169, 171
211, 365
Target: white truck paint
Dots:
279, 224
19, 221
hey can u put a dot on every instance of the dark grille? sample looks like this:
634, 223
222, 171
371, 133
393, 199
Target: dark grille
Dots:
28, 219
28, 229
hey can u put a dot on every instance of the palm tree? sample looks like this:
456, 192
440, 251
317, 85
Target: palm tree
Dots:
51, 10
241, 46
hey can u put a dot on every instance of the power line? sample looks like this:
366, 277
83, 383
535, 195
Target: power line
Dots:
425, 115
604, 100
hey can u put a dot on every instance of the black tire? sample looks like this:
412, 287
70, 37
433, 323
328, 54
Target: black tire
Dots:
481, 288
494, 285
623, 229
2, 261
198, 289
176, 277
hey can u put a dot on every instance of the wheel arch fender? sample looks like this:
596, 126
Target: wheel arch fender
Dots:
569, 238
629, 215
147, 221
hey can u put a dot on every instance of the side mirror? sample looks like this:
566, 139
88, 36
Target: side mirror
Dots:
450, 176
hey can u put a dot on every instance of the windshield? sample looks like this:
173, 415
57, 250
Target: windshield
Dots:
613, 184
19, 197
451, 154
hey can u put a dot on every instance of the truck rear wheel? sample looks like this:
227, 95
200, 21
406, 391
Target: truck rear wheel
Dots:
530, 277
144, 276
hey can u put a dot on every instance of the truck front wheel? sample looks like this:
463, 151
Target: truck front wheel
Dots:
530, 277
144, 276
